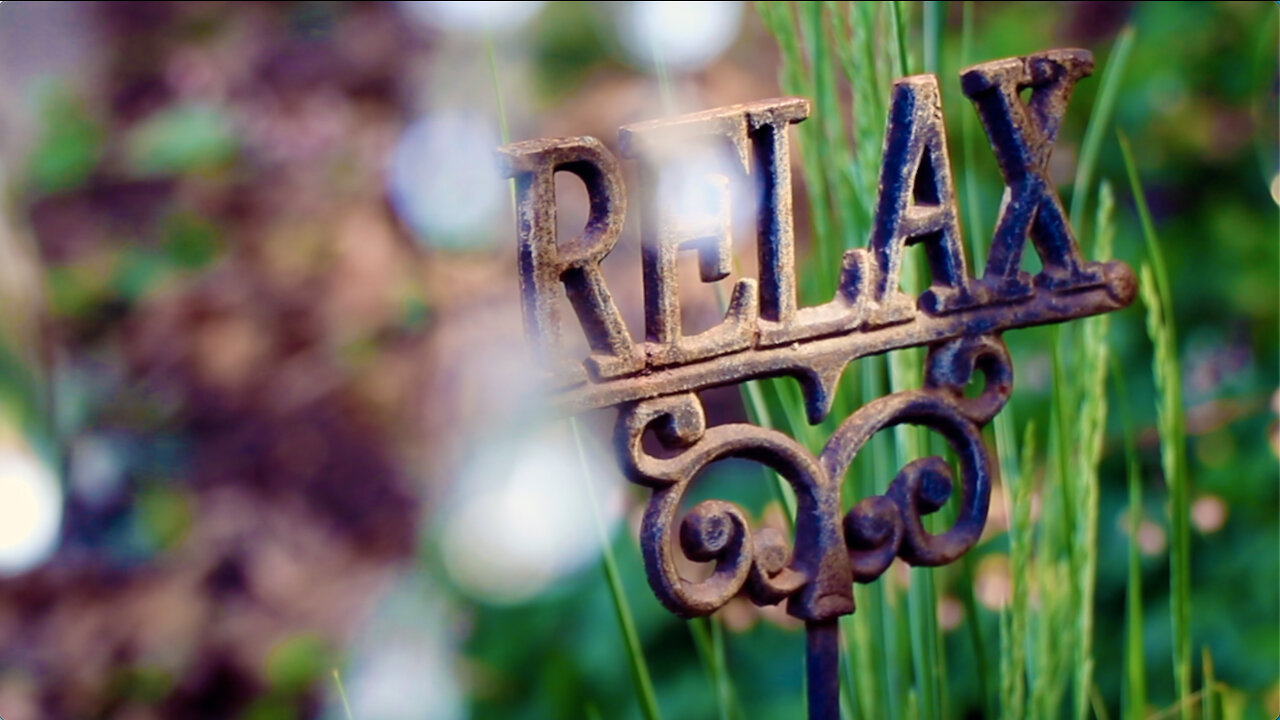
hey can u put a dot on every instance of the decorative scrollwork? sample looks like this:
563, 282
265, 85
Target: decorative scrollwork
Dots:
878, 529
761, 563
950, 366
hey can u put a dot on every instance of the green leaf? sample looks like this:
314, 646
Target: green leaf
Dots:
294, 662
181, 139
165, 515
69, 147
191, 242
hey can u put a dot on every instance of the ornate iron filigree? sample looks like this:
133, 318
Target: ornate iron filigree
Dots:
766, 334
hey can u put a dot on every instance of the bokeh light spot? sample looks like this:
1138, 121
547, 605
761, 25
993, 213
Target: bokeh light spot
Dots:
522, 518
30, 511
950, 613
682, 35
1151, 538
443, 179
473, 16
1209, 513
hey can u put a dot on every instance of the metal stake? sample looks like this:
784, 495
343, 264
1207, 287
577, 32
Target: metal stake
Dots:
822, 665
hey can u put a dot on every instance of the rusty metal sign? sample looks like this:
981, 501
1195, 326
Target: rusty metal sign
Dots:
764, 333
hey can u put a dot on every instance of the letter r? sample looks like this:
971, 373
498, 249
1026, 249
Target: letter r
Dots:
546, 263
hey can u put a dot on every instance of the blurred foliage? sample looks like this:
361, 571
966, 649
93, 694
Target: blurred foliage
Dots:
183, 139
70, 145
570, 42
192, 244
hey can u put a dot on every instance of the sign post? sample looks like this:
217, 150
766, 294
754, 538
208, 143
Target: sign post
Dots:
959, 318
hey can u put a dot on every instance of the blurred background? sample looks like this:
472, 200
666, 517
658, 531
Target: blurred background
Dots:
259, 337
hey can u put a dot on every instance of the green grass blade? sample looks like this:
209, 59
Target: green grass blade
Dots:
870, 107
968, 144
932, 22
1058, 560
758, 413
1134, 695
780, 20
1135, 659
622, 610
665, 92
1098, 704
862, 639
1179, 595
1054, 656
922, 602
1208, 708
1013, 642
702, 643
849, 707
898, 30
342, 694
873, 463
491, 55
708, 638
816, 18
726, 688
504, 130
968, 596
1091, 430
1061, 447
1233, 705
1157, 296
1155, 255
1099, 120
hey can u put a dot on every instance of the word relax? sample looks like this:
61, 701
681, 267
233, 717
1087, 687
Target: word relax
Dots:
764, 332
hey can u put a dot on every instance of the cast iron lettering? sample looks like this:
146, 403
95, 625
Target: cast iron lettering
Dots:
765, 333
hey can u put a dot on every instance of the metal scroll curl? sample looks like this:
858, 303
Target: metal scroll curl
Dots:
760, 563
879, 528
830, 551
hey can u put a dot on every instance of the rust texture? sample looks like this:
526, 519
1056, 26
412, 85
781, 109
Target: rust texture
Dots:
960, 318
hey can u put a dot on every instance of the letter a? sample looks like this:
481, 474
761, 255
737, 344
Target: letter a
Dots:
916, 204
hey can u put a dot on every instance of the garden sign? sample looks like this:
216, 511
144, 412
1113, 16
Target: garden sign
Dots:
764, 333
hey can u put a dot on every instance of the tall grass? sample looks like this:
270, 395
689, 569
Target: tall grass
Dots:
896, 656
1038, 657
1091, 428
1157, 296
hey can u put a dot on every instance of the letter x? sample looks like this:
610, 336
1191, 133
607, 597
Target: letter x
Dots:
1022, 137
